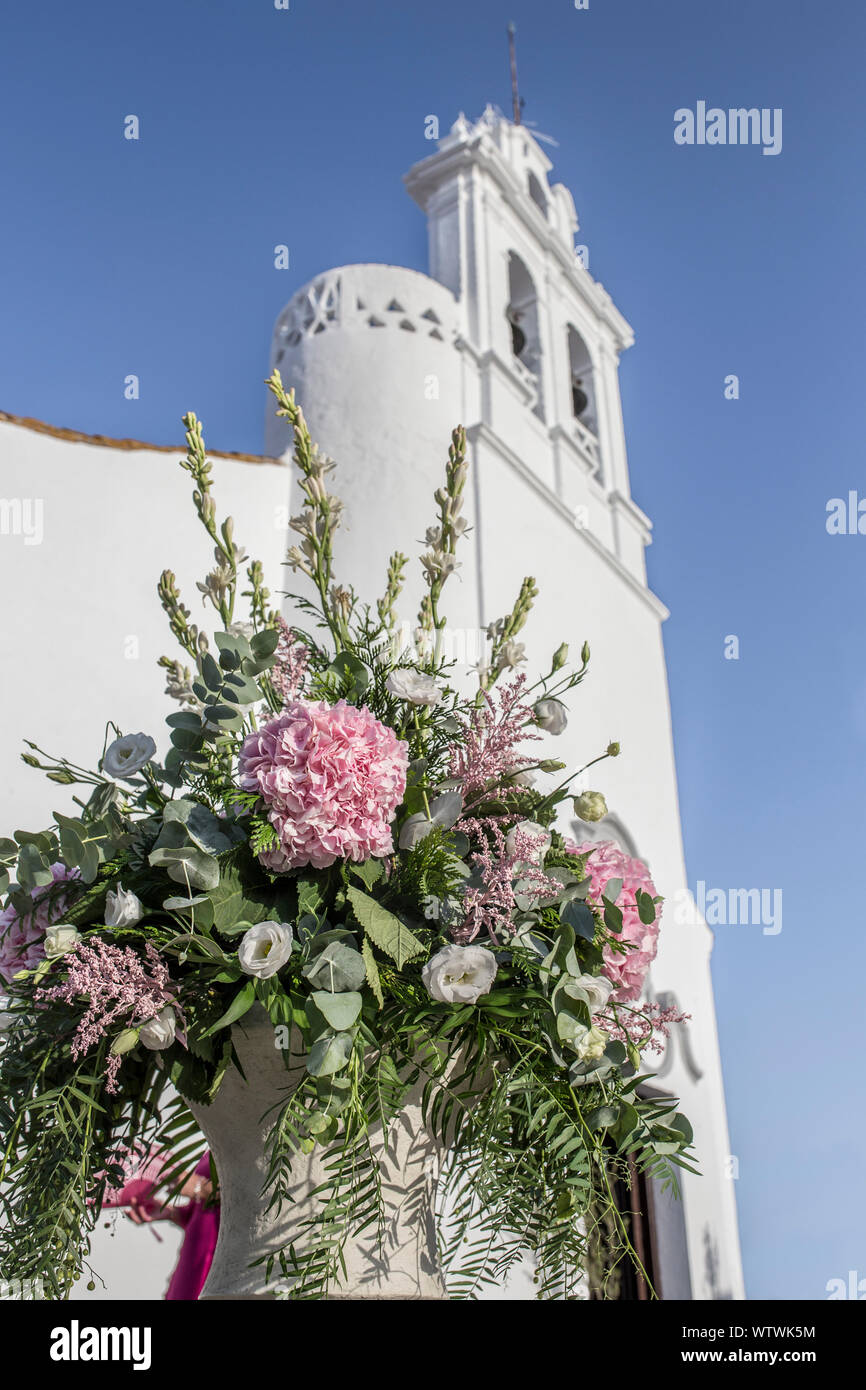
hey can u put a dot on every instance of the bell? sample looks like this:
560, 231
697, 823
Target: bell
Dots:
579, 399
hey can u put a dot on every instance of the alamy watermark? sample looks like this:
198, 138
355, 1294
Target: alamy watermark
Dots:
730, 907
853, 1287
22, 516
736, 126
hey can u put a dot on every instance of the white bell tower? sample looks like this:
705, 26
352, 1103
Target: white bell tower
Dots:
511, 336
544, 337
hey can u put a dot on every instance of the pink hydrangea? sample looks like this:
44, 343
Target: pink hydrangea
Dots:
21, 938
606, 861
331, 777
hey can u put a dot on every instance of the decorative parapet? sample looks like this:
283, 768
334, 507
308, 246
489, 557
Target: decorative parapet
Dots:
371, 296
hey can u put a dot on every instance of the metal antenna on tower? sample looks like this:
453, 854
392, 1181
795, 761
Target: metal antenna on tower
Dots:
517, 103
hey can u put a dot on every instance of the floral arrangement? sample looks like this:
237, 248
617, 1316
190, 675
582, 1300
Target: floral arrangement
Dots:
339, 836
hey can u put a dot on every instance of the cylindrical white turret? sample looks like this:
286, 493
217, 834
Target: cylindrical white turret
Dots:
370, 352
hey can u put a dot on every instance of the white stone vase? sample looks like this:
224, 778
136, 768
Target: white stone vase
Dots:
236, 1125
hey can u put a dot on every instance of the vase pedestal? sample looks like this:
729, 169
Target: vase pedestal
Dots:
404, 1266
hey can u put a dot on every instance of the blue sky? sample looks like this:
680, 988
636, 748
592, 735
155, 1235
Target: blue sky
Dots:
261, 127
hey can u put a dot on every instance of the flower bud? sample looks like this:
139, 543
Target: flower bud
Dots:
124, 1042
584, 653
551, 716
613, 750
590, 806
560, 656
59, 940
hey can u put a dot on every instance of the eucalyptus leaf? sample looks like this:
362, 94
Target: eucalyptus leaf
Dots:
612, 889
646, 907
187, 865
336, 968
340, 1010
265, 643
612, 917
578, 916
603, 1117
329, 1054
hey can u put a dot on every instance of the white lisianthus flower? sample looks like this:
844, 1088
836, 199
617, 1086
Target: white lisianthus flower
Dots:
597, 988
158, 1033
122, 909
459, 974
265, 948
551, 716
414, 686
60, 939
590, 806
128, 755
589, 1043
541, 839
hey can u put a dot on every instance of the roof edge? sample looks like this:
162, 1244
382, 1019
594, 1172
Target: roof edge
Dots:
105, 441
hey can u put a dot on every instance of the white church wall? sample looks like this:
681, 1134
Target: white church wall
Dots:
83, 635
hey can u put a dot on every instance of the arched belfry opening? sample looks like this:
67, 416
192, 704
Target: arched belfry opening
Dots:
537, 194
581, 382
522, 315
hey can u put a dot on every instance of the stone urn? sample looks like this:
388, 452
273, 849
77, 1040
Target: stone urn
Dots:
236, 1124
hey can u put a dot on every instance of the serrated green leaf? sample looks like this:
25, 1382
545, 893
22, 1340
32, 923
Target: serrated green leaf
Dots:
372, 969
384, 929
369, 872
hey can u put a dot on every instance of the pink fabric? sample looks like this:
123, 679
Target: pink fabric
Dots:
201, 1229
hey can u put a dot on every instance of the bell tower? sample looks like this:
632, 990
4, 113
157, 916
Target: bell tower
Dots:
542, 335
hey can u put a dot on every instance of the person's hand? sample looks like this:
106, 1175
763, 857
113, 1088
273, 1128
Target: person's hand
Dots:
197, 1187
147, 1210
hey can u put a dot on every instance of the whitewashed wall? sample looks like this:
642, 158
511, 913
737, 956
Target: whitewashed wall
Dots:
82, 625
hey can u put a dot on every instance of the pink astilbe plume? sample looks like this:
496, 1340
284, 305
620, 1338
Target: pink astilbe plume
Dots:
492, 908
290, 663
646, 1027
485, 755
117, 984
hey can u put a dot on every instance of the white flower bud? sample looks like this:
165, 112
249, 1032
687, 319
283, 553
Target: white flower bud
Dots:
551, 716
590, 806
